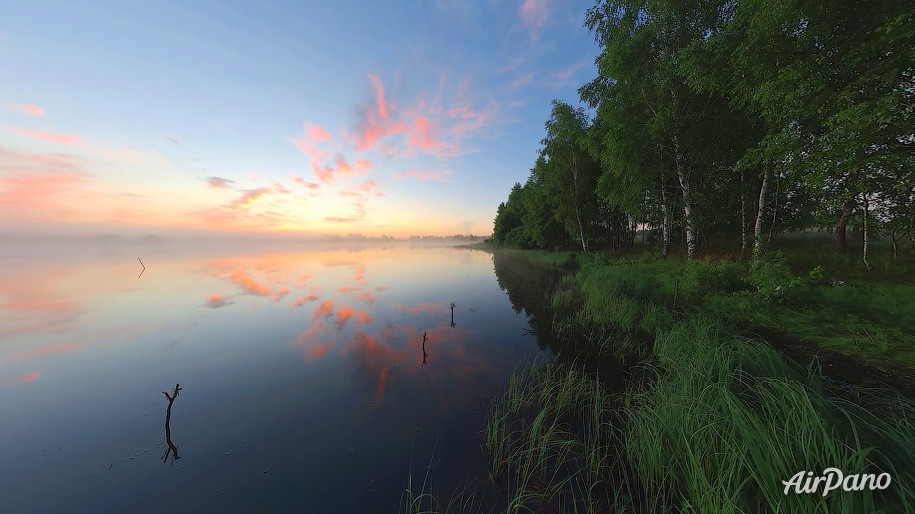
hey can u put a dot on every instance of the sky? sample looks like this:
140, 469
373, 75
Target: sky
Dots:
379, 118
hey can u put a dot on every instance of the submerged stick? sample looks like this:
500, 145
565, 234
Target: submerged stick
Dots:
424, 349
168, 431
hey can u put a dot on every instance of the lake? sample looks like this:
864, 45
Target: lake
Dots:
305, 384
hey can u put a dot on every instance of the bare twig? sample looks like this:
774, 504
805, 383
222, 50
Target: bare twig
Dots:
425, 355
168, 431
144, 268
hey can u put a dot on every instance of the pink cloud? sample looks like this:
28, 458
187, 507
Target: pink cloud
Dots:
305, 183
52, 137
249, 197
32, 110
315, 133
280, 294
29, 377
216, 301
308, 144
342, 169
344, 313
379, 92
44, 351
219, 182
302, 300
424, 307
325, 309
248, 284
440, 176
534, 14
363, 189
426, 127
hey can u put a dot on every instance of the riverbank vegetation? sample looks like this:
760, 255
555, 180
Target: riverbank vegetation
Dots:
709, 187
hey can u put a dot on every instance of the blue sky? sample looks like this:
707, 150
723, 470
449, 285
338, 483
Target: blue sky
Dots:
312, 117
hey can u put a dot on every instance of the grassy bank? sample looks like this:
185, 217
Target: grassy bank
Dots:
712, 419
710, 416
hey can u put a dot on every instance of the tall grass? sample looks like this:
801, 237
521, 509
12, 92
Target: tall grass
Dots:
728, 420
724, 421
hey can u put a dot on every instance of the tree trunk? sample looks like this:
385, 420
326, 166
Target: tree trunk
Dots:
864, 234
689, 223
778, 183
665, 219
581, 229
760, 214
744, 240
839, 237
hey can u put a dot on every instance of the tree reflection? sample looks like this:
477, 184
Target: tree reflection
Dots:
529, 286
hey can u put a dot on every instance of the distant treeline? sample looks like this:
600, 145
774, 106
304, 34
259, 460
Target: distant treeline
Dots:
729, 120
363, 237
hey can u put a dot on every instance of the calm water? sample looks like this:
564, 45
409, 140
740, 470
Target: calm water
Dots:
303, 386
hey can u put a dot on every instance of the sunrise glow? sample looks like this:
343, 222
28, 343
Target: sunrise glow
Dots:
409, 124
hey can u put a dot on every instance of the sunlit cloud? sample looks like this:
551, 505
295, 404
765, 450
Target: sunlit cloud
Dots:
249, 197
424, 308
324, 310
438, 176
219, 182
304, 183
248, 284
341, 169
302, 300
379, 92
280, 294
358, 215
29, 377
344, 313
426, 126
44, 351
32, 110
51, 137
216, 301
534, 15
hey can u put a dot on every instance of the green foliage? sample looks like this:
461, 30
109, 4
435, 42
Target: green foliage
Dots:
773, 278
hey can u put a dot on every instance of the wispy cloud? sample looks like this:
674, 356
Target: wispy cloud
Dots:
304, 183
341, 169
439, 176
248, 284
32, 110
29, 377
51, 137
534, 15
358, 215
522, 81
424, 127
216, 301
219, 182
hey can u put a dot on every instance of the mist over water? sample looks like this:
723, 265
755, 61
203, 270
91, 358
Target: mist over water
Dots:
302, 378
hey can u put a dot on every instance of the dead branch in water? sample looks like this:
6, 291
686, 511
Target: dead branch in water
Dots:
168, 431
424, 349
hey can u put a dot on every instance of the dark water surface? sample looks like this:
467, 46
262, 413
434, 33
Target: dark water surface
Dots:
303, 386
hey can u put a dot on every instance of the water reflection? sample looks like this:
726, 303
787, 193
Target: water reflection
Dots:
304, 363
172, 449
528, 286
